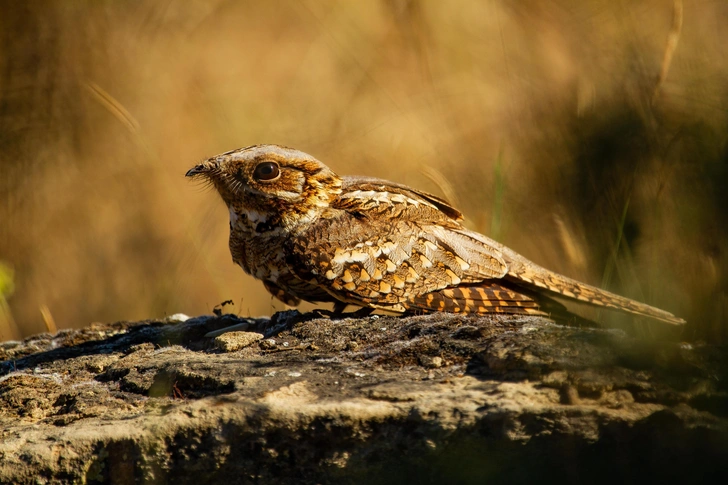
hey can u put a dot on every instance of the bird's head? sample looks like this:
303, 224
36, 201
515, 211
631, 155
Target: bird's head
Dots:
279, 185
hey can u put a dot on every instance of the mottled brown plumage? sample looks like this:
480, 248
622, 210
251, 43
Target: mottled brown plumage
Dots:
312, 235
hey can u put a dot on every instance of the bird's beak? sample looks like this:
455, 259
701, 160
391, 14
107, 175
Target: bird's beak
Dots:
202, 168
197, 169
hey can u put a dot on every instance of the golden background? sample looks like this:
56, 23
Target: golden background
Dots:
588, 135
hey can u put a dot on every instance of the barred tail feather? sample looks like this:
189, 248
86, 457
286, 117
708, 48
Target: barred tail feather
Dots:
481, 298
542, 278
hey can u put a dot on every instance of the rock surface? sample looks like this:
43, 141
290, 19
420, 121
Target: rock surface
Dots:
428, 399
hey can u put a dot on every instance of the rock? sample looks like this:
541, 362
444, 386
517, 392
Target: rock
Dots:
432, 399
177, 317
234, 341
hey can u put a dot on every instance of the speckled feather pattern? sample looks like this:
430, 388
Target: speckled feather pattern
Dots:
312, 235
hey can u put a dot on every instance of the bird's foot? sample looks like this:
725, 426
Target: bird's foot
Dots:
338, 312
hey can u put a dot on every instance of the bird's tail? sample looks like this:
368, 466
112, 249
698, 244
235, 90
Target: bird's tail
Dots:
540, 277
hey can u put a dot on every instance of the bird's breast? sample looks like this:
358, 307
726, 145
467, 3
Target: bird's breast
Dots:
256, 244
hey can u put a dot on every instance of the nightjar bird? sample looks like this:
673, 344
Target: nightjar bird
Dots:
310, 234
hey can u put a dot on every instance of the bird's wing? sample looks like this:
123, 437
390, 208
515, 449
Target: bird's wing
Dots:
383, 245
383, 250
358, 187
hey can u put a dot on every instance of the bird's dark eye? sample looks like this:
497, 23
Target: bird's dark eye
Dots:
266, 171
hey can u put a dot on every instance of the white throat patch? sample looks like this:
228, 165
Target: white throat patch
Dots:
253, 217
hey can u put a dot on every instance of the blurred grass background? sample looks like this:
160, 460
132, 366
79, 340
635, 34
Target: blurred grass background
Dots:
588, 135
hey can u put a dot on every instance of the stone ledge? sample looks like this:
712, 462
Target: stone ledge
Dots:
435, 399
